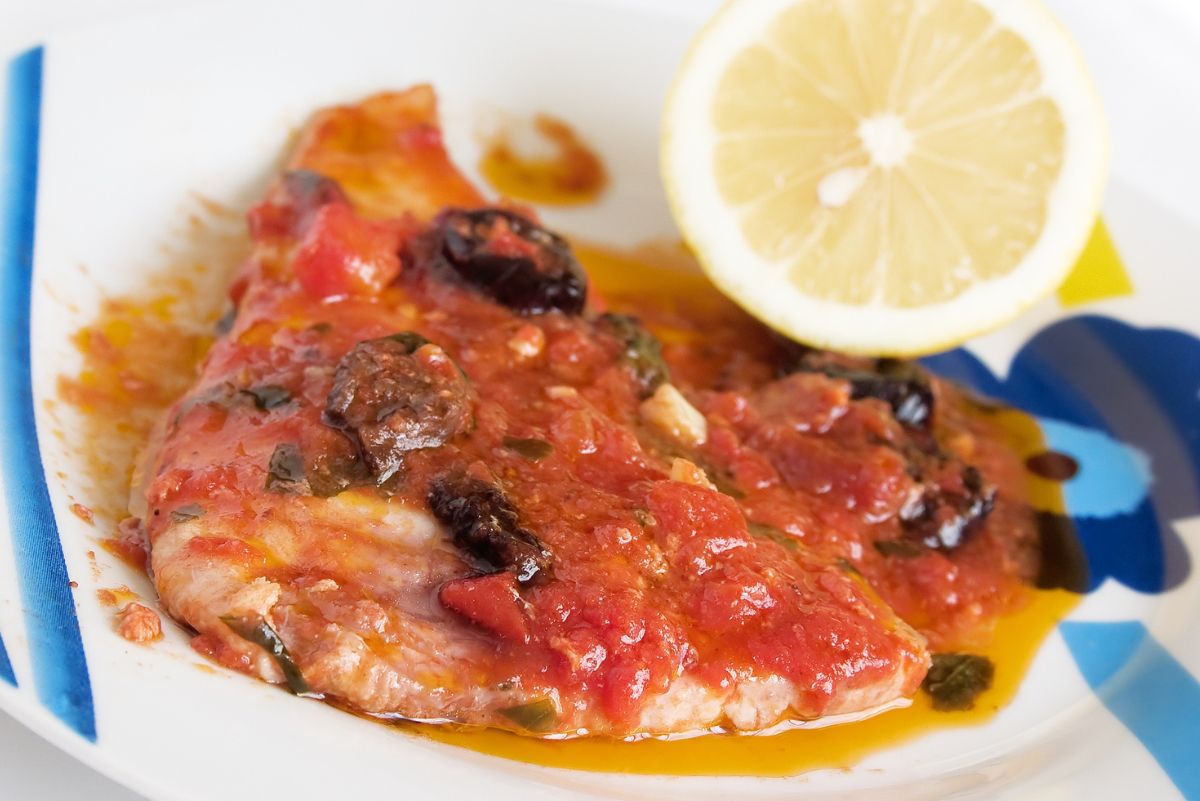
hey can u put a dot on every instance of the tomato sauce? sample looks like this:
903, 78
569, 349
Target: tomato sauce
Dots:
818, 485
661, 283
600, 499
833, 486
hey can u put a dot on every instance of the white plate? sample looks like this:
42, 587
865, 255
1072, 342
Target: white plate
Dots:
134, 116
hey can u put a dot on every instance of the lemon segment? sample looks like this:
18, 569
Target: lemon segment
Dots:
884, 176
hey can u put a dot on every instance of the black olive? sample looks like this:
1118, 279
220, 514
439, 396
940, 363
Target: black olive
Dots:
903, 385
942, 518
394, 402
514, 260
486, 526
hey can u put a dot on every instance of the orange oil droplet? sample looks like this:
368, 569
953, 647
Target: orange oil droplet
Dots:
569, 173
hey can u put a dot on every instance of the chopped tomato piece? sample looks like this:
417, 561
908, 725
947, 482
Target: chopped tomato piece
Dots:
488, 601
342, 254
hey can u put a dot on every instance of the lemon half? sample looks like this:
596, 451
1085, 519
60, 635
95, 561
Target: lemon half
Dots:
884, 176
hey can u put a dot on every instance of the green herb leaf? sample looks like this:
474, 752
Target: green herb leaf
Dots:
285, 472
537, 716
321, 327
954, 681
898, 548
261, 634
643, 351
269, 396
531, 448
773, 534
848, 566
188, 511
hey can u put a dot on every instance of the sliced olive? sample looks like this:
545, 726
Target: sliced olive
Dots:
393, 402
512, 259
942, 518
903, 385
285, 471
485, 525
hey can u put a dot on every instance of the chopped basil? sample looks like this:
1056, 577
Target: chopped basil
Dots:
186, 512
954, 681
773, 534
269, 396
848, 566
531, 448
535, 716
644, 518
321, 327
643, 352
898, 548
261, 634
285, 472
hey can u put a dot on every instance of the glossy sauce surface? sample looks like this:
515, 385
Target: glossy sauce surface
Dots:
658, 271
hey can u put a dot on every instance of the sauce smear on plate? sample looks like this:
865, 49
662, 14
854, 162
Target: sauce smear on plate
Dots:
555, 168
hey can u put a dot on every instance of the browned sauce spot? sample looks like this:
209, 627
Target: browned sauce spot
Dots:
1052, 465
569, 173
83, 513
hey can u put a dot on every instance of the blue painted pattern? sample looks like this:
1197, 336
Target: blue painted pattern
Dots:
1096, 382
1147, 690
1125, 403
60, 673
6, 668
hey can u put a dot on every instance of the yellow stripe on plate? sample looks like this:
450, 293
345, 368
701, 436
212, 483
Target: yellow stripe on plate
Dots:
1099, 273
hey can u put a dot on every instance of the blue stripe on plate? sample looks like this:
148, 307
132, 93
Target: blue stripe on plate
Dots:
6, 671
1148, 691
60, 671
